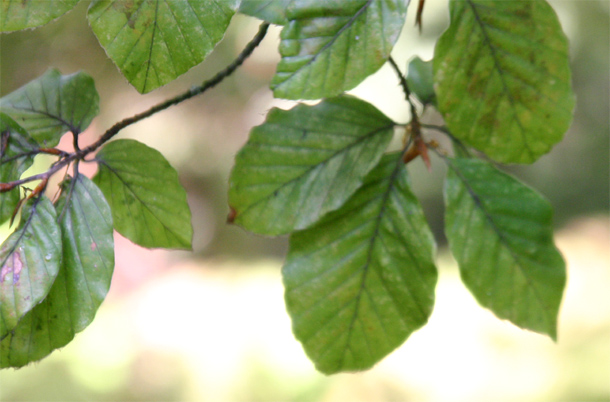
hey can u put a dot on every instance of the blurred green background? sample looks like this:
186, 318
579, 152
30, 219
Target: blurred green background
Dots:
211, 325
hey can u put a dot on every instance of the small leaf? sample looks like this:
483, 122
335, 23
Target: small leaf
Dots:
15, 145
82, 282
502, 78
52, 105
421, 81
272, 11
329, 47
500, 232
147, 201
153, 42
29, 261
302, 163
362, 280
21, 14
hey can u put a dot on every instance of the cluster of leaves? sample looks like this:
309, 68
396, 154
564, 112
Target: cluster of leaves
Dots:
360, 272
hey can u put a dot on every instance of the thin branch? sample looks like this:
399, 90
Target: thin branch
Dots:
218, 78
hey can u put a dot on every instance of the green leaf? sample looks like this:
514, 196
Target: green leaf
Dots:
421, 80
272, 11
302, 163
21, 14
29, 261
53, 104
362, 280
500, 232
153, 42
82, 282
147, 201
15, 145
329, 47
502, 78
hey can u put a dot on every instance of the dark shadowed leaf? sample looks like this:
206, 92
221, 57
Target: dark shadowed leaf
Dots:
500, 232
29, 261
502, 78
15, 158
273, 11
147, 201
362, 280
302, 163
153, 42
22, 14
52, 105
421, 80
82, 282
331, 46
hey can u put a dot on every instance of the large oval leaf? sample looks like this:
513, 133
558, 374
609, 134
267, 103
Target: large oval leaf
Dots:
52, 105
500, 232
362, 280
331, 46
153, 42
16, 155
503, 78
304, 162
147, 201
22, 14
29, 262
82, 282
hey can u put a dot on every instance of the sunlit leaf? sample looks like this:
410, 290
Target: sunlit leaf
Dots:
15, 158
502, 78
362, 280
52, 105
29, 262
22, 14
82, 282
147, 201
329, 47
273, 11
500, 232
302, 163
153, 42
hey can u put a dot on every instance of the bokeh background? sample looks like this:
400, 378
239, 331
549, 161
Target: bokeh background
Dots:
211, 325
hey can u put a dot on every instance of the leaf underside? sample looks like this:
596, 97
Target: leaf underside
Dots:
330, 47
362, 280
502, 78
500, 232
152, 42
304, 162
148, 204
82, 282
52, 105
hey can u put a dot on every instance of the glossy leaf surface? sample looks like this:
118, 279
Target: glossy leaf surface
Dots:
15, 158
147, 201
329, 47
29, 261
52, 105
503, 78
302, 163
21, 14
152, 42
500, 232
273, 11
82, 282
362, 280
